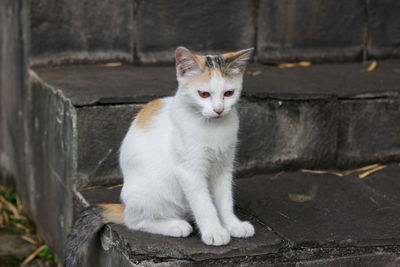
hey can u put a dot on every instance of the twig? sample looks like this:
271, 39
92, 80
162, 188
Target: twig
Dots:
322, 172
33, 255
284, 215
115, 186
30, 240
374, 201
363, 168
365, 174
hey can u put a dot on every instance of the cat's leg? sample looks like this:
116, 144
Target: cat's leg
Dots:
195, 187
168, 227
221, 188
136, 219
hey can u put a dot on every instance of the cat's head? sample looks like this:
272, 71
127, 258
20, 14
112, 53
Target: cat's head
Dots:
211, 84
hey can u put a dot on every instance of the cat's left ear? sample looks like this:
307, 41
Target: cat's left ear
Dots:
186, 63
237, 61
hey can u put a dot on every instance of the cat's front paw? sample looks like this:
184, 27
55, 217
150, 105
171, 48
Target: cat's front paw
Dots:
241, 229
216, 237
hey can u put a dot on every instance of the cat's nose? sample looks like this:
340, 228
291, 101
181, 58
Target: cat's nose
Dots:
218, 110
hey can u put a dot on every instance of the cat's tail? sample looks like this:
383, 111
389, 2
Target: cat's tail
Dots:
89, 222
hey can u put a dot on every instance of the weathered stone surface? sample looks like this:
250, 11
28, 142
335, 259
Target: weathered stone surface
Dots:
322, 220
12, 244
302, 30
384, 31
80, 31
13, 76
215, 26
295, 111
139, 246
101, 131
287, 134
52, 154
369, 131
315, 210
90, 85
375, 259
385, 183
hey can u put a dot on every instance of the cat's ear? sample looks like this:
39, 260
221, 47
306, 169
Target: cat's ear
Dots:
237, 61
186, 63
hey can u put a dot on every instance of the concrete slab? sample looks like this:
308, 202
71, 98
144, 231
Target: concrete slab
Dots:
301, 219
90, 85
301, 30
164, 25
385, 183
323, 209
369, 131
384, 28
139, 245
81, 31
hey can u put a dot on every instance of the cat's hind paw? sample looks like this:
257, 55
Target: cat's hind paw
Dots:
179, 228
241, 229
216, 237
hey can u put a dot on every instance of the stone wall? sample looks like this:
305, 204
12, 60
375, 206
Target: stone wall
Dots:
149, 31
13, 85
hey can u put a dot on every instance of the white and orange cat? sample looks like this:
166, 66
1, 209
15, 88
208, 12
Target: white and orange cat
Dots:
178, 155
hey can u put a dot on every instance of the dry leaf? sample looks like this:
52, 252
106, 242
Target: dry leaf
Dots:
254, 73
30, 240
296, 64
39, 238
20, 207
33, 255
371, 67
113, 64
310, 195
20, 226
365, 174
5, 217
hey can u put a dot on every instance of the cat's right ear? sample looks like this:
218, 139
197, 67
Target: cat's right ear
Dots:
186, 63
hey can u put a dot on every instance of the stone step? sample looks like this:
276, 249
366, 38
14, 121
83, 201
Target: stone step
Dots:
78, 115
312, 219
322, 116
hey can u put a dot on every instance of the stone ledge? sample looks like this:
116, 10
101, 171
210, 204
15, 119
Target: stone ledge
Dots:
305, 117
299, 217
89, 85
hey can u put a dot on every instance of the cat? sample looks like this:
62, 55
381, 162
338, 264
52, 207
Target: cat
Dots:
177, 159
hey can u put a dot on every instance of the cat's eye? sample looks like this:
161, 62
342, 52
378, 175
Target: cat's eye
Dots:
204, 94
229, 93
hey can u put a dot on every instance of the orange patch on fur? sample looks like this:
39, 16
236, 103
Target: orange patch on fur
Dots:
148, 112
230, 54
201, 60
113, 212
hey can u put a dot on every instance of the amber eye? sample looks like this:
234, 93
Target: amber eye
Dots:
204, 94
229, 93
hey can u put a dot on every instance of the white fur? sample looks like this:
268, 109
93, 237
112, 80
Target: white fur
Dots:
181, 167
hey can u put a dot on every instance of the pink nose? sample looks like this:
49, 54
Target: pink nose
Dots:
218, 111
